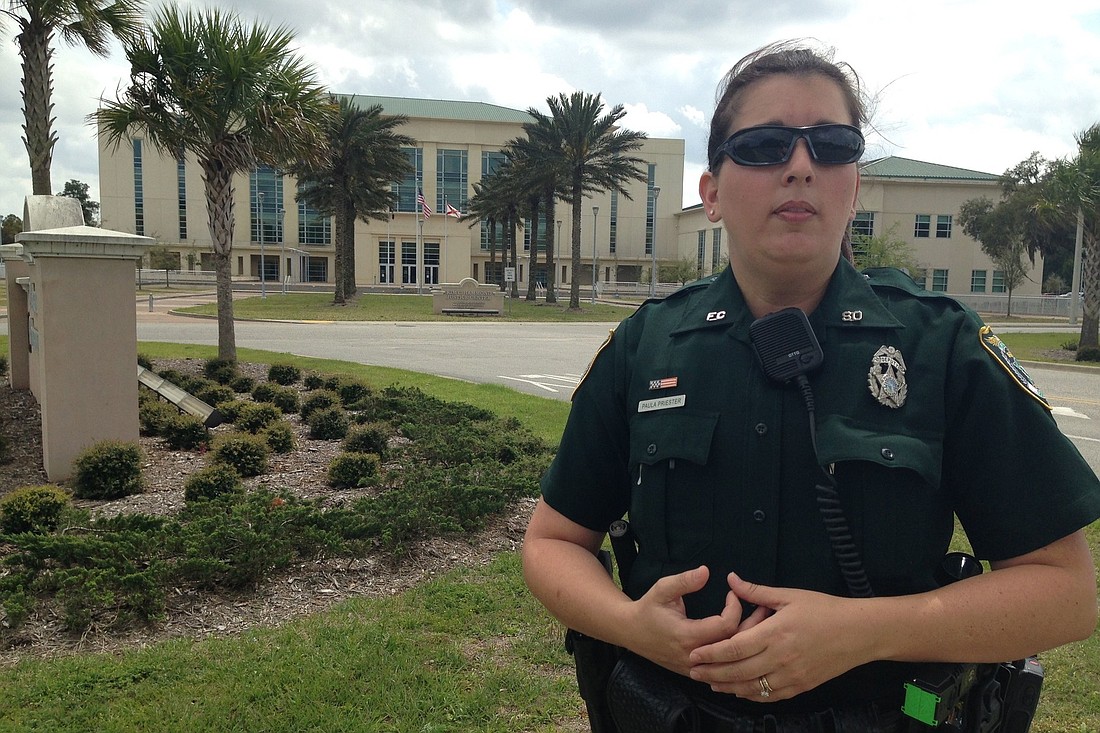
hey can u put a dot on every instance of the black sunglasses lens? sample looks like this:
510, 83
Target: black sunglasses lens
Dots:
760, 146
835, 144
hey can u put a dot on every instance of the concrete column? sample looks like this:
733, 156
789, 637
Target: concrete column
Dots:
16, 270
82, 332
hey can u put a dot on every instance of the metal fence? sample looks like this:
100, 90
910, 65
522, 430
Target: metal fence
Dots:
1052, 306
173, 278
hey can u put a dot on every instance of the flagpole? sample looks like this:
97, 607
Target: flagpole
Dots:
442, 252
419, 232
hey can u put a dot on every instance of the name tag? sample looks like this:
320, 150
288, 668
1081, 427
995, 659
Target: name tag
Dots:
662, 403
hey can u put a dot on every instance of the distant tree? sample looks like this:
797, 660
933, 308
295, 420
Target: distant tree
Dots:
79, 190
162, 258
1000, 230
90, 23
683, 271
886, 250
12, 225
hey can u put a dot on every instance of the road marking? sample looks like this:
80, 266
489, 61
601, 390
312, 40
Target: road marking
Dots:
1081, 437
553, 383
1069, 412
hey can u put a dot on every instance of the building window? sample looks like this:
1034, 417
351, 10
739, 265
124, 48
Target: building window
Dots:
943, 226
999, 282
977, 281
181, 198
408, 263
923, 226
491, 161
612, 239
939, 281
650, 208
864, 224
139, 191
317, 270
451, 179
715, 248
701, 251
404, 192
529, 230
387, 259
266, 203
313, 226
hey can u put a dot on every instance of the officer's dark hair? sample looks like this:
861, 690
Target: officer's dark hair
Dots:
795, 58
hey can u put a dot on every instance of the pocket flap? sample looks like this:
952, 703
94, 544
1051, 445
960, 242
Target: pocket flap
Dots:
668, 434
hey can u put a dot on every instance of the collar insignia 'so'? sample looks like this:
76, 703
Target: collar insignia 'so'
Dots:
886, 378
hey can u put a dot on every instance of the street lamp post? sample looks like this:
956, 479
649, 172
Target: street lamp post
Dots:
653, 246
260, 223
284, 276
595, 211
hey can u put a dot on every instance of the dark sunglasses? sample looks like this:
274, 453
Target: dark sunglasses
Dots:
773, 144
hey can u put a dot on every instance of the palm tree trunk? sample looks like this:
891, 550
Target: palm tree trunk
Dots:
533, 260
513, 222
551, 245
218, 184
575, 286
339, 296
349, 253
34, 49
1090, 283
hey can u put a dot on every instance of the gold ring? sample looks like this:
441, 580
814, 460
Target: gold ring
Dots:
765, 688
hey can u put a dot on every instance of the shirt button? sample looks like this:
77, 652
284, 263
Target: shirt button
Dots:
888, 454
761, 428
759, 515
651, 449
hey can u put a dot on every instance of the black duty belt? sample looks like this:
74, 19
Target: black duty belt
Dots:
869, 718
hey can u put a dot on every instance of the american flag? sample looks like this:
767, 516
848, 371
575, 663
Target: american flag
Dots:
452, 211
666, 383
423, 203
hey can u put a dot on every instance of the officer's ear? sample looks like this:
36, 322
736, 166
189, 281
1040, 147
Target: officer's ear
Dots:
708, 192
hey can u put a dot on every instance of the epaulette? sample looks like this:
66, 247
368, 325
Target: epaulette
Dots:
688, 289
891, 277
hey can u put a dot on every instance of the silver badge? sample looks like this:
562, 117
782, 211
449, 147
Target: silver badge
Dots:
887, 377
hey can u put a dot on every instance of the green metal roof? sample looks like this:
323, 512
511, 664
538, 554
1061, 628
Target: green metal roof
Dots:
441, 109
895, 167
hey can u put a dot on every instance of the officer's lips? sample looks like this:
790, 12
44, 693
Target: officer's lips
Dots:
795, 211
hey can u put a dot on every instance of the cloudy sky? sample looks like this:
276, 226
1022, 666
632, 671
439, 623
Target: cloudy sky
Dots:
977, 84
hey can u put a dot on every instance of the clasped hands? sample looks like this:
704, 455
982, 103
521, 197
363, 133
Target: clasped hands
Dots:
792, 642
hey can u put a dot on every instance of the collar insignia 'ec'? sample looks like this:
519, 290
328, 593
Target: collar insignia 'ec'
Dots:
1004, 357
886, 378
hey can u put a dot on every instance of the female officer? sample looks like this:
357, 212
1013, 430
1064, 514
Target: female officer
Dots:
917, 414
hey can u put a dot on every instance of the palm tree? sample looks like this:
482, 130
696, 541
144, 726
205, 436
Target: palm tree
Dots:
539, 160
594, 156
91, 23
354, 179
494, 202
233, 96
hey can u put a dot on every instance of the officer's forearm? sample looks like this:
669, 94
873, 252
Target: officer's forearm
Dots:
1026, 605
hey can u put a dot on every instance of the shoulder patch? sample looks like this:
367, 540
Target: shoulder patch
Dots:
1004, 357
604, 345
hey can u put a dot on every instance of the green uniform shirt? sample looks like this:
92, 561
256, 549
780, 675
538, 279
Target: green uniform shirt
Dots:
920, 414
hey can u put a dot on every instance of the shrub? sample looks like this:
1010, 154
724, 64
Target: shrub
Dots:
264, 391
3, 365
368, 438
319, 400
255, 416
185, 432
32, 509
221, 371
285, 374
1070, 345
230, 410
145, 361
330, 423
279, 436
218, 479
1089, 353
286, 399
353, 470
242, 384
313, 381
216, 394
245, 453
109, 469
153, 415
352, 391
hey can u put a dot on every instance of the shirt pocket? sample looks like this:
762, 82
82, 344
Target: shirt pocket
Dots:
890, 484
673, 493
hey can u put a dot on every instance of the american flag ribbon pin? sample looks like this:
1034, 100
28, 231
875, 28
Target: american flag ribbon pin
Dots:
666, 383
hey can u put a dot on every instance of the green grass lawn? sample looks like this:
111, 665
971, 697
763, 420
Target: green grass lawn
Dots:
468, 651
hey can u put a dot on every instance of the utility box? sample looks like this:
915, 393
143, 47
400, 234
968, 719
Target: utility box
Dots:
80, 337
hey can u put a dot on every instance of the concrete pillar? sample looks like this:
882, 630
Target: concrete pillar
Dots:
16, 270
82, 335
